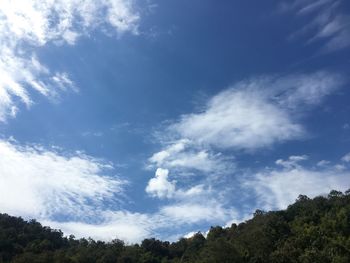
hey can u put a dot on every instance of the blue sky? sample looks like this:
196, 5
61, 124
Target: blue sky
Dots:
132, 119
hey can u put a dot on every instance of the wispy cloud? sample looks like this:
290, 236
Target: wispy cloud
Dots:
29, 25
252, 114
346, 158
292, 161
257, 112
276, 188
184, 154
236, 119
41, 183
188, 213
39, 22
327, 24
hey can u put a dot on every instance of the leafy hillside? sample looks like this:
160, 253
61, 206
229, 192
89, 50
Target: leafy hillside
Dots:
310, 231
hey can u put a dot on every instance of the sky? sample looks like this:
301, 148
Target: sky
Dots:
133, 119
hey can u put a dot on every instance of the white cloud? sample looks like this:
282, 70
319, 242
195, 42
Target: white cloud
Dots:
189, 213
39, 183
238, 119
346, 158
122, 17
190, 234
299, 91
184, 155
323, 163
39, 22
45, 185
124, 225
160, 186
276, 188
16, 74
340, 167
292, 161
177, 147
255, 113
197, 190
26, 26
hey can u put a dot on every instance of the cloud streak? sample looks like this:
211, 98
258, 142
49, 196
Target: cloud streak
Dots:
40, 183
327, 23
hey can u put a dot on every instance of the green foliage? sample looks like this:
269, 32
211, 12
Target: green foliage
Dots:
309, 231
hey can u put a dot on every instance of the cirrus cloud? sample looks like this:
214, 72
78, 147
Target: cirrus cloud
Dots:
41, 183
327, 23
27, 26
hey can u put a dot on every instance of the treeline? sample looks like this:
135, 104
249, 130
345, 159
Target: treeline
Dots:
309, 231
